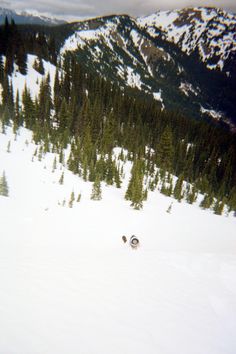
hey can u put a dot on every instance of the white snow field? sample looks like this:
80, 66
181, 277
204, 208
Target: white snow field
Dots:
69, 285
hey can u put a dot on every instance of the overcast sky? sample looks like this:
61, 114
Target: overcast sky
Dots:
73, 9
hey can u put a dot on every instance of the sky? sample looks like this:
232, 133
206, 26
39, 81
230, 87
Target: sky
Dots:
74, 9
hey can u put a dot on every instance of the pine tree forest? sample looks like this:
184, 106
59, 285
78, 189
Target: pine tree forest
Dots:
168, 150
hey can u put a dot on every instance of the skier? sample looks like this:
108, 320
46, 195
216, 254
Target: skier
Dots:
134, 242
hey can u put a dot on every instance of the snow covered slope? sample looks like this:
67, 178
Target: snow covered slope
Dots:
33, 78
69, 283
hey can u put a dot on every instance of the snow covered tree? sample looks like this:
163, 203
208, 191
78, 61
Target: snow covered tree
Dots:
4, 191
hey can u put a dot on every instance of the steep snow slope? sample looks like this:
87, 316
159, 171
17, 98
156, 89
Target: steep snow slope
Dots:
33, 78
106, 42
69, 283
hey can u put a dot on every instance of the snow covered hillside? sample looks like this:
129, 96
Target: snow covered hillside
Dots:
33, 78
70, 285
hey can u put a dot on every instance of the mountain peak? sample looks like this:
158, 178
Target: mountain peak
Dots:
28, 17
209, 31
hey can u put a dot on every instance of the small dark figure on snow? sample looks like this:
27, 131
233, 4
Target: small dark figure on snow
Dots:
124, 239
134, 242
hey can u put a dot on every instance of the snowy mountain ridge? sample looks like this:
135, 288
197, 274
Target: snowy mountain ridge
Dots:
28, 17
210, 31
187, 54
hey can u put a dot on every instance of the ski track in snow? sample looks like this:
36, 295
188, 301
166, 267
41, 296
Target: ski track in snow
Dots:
70, 285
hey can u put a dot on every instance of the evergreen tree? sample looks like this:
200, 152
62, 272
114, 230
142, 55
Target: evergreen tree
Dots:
117, 177
169, 208
17, 115
207, 201
164, 188
178, 193
66, 79
96, 190
9, 147
72, 199
38, 65
29, 109
232, 200
21, 58
165, 150
4, 190
45, 100
9, 63
135, 192
62, 157
145, 195
1, 69
64, 116
191, 195
54, 166
40, 154
57, 93
219, 206
110, 170
167, 185
7, 95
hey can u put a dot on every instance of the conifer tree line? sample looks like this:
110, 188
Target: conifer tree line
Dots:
13, 48
95, 116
